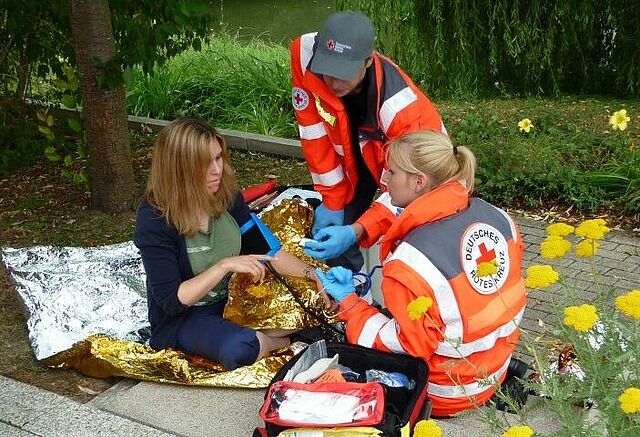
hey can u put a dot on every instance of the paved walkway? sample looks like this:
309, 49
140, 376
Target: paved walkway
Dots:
148, 409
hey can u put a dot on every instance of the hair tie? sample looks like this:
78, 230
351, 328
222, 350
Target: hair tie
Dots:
455, 149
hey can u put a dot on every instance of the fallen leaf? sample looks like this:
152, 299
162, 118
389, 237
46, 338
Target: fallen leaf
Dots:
88, 391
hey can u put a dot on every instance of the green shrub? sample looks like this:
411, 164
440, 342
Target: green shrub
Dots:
19, 139
244, 87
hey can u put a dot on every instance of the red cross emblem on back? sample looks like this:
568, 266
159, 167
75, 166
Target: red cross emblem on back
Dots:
298, 98
485, 255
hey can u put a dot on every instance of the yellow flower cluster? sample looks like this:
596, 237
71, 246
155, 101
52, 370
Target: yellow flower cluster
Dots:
418, 307
629, 304
581, 318
541, 276
554, 246
630, 400
487, 269
525, 125
594, 229
587, 248
427, 428
560, 229
518, 431
619, 120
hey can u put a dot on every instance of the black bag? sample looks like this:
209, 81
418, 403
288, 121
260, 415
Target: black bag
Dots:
402, 407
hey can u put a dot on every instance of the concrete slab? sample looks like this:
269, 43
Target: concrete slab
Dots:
186, 410
28, 410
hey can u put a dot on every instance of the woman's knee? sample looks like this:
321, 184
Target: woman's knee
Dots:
239, 350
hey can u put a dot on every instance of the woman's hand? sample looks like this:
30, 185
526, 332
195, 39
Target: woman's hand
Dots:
251, 264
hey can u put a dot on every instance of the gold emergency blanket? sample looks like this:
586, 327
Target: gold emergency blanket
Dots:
269, 305
262, 306
100, 356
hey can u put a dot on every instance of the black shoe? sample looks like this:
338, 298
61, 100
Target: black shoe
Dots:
513, 389
517, 369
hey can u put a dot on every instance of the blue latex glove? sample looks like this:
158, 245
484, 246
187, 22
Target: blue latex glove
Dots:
330, 242
324, 217
337, 282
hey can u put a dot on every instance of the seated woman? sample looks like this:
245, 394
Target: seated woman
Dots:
446, 308
193, 230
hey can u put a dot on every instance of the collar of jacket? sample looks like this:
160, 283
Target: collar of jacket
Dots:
443, 201
312, 81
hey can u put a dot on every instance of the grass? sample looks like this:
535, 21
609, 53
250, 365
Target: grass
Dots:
240, 87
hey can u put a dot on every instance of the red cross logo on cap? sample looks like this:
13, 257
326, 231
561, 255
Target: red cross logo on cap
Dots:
331, 44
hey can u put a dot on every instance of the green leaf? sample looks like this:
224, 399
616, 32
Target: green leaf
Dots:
60, 84
80, 178
46, 132
68, 101
73, 83
51, 154
74, 124
50, 120
68, 160
65, 173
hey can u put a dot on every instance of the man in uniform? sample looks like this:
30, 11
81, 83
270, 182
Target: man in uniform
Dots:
350, 101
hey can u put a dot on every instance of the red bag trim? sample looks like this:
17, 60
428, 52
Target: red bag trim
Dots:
370, 388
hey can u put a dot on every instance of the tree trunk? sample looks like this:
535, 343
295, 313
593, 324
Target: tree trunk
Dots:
105, 111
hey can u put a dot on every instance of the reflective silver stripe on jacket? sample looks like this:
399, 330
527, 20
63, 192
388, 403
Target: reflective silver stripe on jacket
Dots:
312, 132
465, 390
329, 178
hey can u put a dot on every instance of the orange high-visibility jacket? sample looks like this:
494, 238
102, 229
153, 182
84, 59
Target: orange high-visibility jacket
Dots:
469, 332
396, 107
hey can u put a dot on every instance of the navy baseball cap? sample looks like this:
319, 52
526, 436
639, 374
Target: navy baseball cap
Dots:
342, 45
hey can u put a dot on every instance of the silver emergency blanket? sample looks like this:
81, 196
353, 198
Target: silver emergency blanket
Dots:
73, 292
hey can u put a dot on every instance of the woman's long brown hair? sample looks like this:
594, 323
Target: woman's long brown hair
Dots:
177, 181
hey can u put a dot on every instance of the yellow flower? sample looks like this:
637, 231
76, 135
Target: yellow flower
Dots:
629, 304
587, 248
418, 307
554, 246
581, 318
518, 431
541, 276
487, 268
427, 428
525, 125
595, 229
619, 120
560, 229
630, 400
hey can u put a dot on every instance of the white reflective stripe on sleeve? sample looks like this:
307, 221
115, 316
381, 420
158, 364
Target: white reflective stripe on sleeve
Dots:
339, 149
511, 224
312, 132
385, 200
465, 390
395, 104
306, 49
329, 178
371, 328
389, 337
447, 304
481, 344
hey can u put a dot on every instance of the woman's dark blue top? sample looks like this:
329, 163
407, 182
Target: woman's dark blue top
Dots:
165, 259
